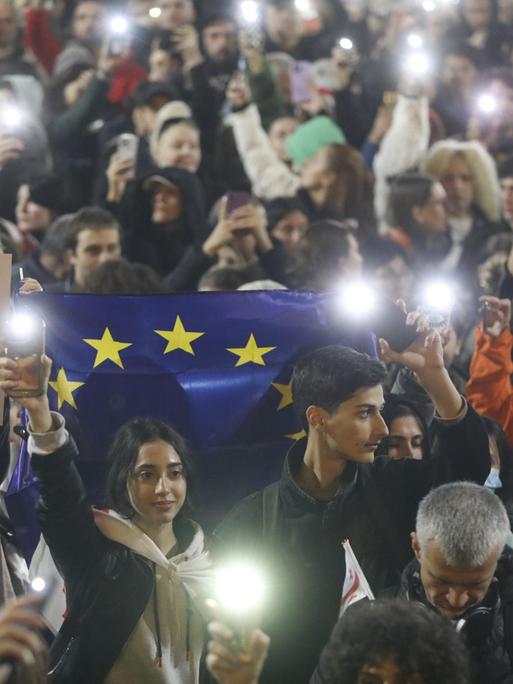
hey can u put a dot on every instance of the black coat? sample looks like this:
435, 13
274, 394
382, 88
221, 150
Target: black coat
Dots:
107, 585
484, 631
300, 543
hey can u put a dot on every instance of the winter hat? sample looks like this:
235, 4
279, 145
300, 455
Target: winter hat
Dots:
311, 136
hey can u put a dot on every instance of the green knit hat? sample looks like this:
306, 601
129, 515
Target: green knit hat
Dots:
308, 138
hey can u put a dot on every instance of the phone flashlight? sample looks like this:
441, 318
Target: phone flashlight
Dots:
249, 12
418, 64
415, 41
357, 299
238, 595
437, 301
118, 25
487, 103
11, 117
24, 342
429, 6
306, 9
346, 44
155, 12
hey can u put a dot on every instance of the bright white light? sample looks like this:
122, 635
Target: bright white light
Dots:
487, 104
415, 41
418, 64
21, 325
439, 296
346, 43
249, 11
357, 298
303, 6
239, 588
155, 12
429, 6
11, 116
38, 584
119, 25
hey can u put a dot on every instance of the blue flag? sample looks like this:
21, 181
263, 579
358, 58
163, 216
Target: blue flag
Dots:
216, 366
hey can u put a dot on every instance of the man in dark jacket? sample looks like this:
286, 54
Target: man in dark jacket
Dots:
332, 489
463, 571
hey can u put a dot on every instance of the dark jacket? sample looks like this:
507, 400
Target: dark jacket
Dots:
299, 538
486, 625
100, 575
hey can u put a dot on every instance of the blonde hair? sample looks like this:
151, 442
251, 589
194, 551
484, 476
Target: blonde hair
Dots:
482, 168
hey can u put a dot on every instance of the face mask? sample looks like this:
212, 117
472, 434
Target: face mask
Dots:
493, 481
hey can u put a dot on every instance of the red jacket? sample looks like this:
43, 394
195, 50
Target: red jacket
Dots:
489, 389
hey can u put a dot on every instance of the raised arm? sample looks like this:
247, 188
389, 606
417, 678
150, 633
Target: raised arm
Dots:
489, 388
64, 513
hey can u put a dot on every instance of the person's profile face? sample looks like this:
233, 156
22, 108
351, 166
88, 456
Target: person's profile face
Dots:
354, 429
157, 485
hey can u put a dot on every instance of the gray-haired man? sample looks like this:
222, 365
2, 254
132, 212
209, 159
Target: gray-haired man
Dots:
464, 570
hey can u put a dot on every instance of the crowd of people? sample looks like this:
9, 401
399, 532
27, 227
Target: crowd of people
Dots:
217, 145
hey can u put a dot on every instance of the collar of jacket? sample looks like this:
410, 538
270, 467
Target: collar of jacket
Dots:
292, 492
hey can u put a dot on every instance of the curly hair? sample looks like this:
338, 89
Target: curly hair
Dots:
418, 641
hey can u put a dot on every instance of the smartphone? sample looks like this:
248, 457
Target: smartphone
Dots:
26, 348
487, 315
301, 82
389, 322
127, 148
236, 200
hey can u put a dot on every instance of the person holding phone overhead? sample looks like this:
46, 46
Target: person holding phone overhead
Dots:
333, 488
135, 574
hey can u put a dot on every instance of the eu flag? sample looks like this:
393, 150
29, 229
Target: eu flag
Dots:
216, 366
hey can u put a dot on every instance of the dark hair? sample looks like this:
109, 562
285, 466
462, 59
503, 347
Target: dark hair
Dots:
223, 279
378, 252
280, 207
123, 454
466, 51
505, 167
500, 73
398, 407
415, 638
351, 190
119, 277
331, 375
496, 431
408, 190
55, 241
90, 218
317, 265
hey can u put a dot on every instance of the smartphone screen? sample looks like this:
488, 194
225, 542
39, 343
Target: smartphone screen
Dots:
236, 200
301, 81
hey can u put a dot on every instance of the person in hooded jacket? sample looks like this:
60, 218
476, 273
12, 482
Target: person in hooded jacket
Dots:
170, 236
131, 573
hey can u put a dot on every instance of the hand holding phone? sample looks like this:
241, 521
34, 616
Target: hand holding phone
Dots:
24, 343
495, 315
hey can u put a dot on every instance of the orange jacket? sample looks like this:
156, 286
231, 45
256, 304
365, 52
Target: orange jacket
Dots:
489, 389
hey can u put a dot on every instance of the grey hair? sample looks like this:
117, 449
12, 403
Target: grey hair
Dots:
468, 522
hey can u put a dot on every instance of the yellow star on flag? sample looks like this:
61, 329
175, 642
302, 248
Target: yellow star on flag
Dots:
179, 338
65, 389
296, 436
107, 349
286, 394
251, 353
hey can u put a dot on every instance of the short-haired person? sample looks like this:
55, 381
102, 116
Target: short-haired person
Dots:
463, 570
94, 237
131, 573
332, 489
